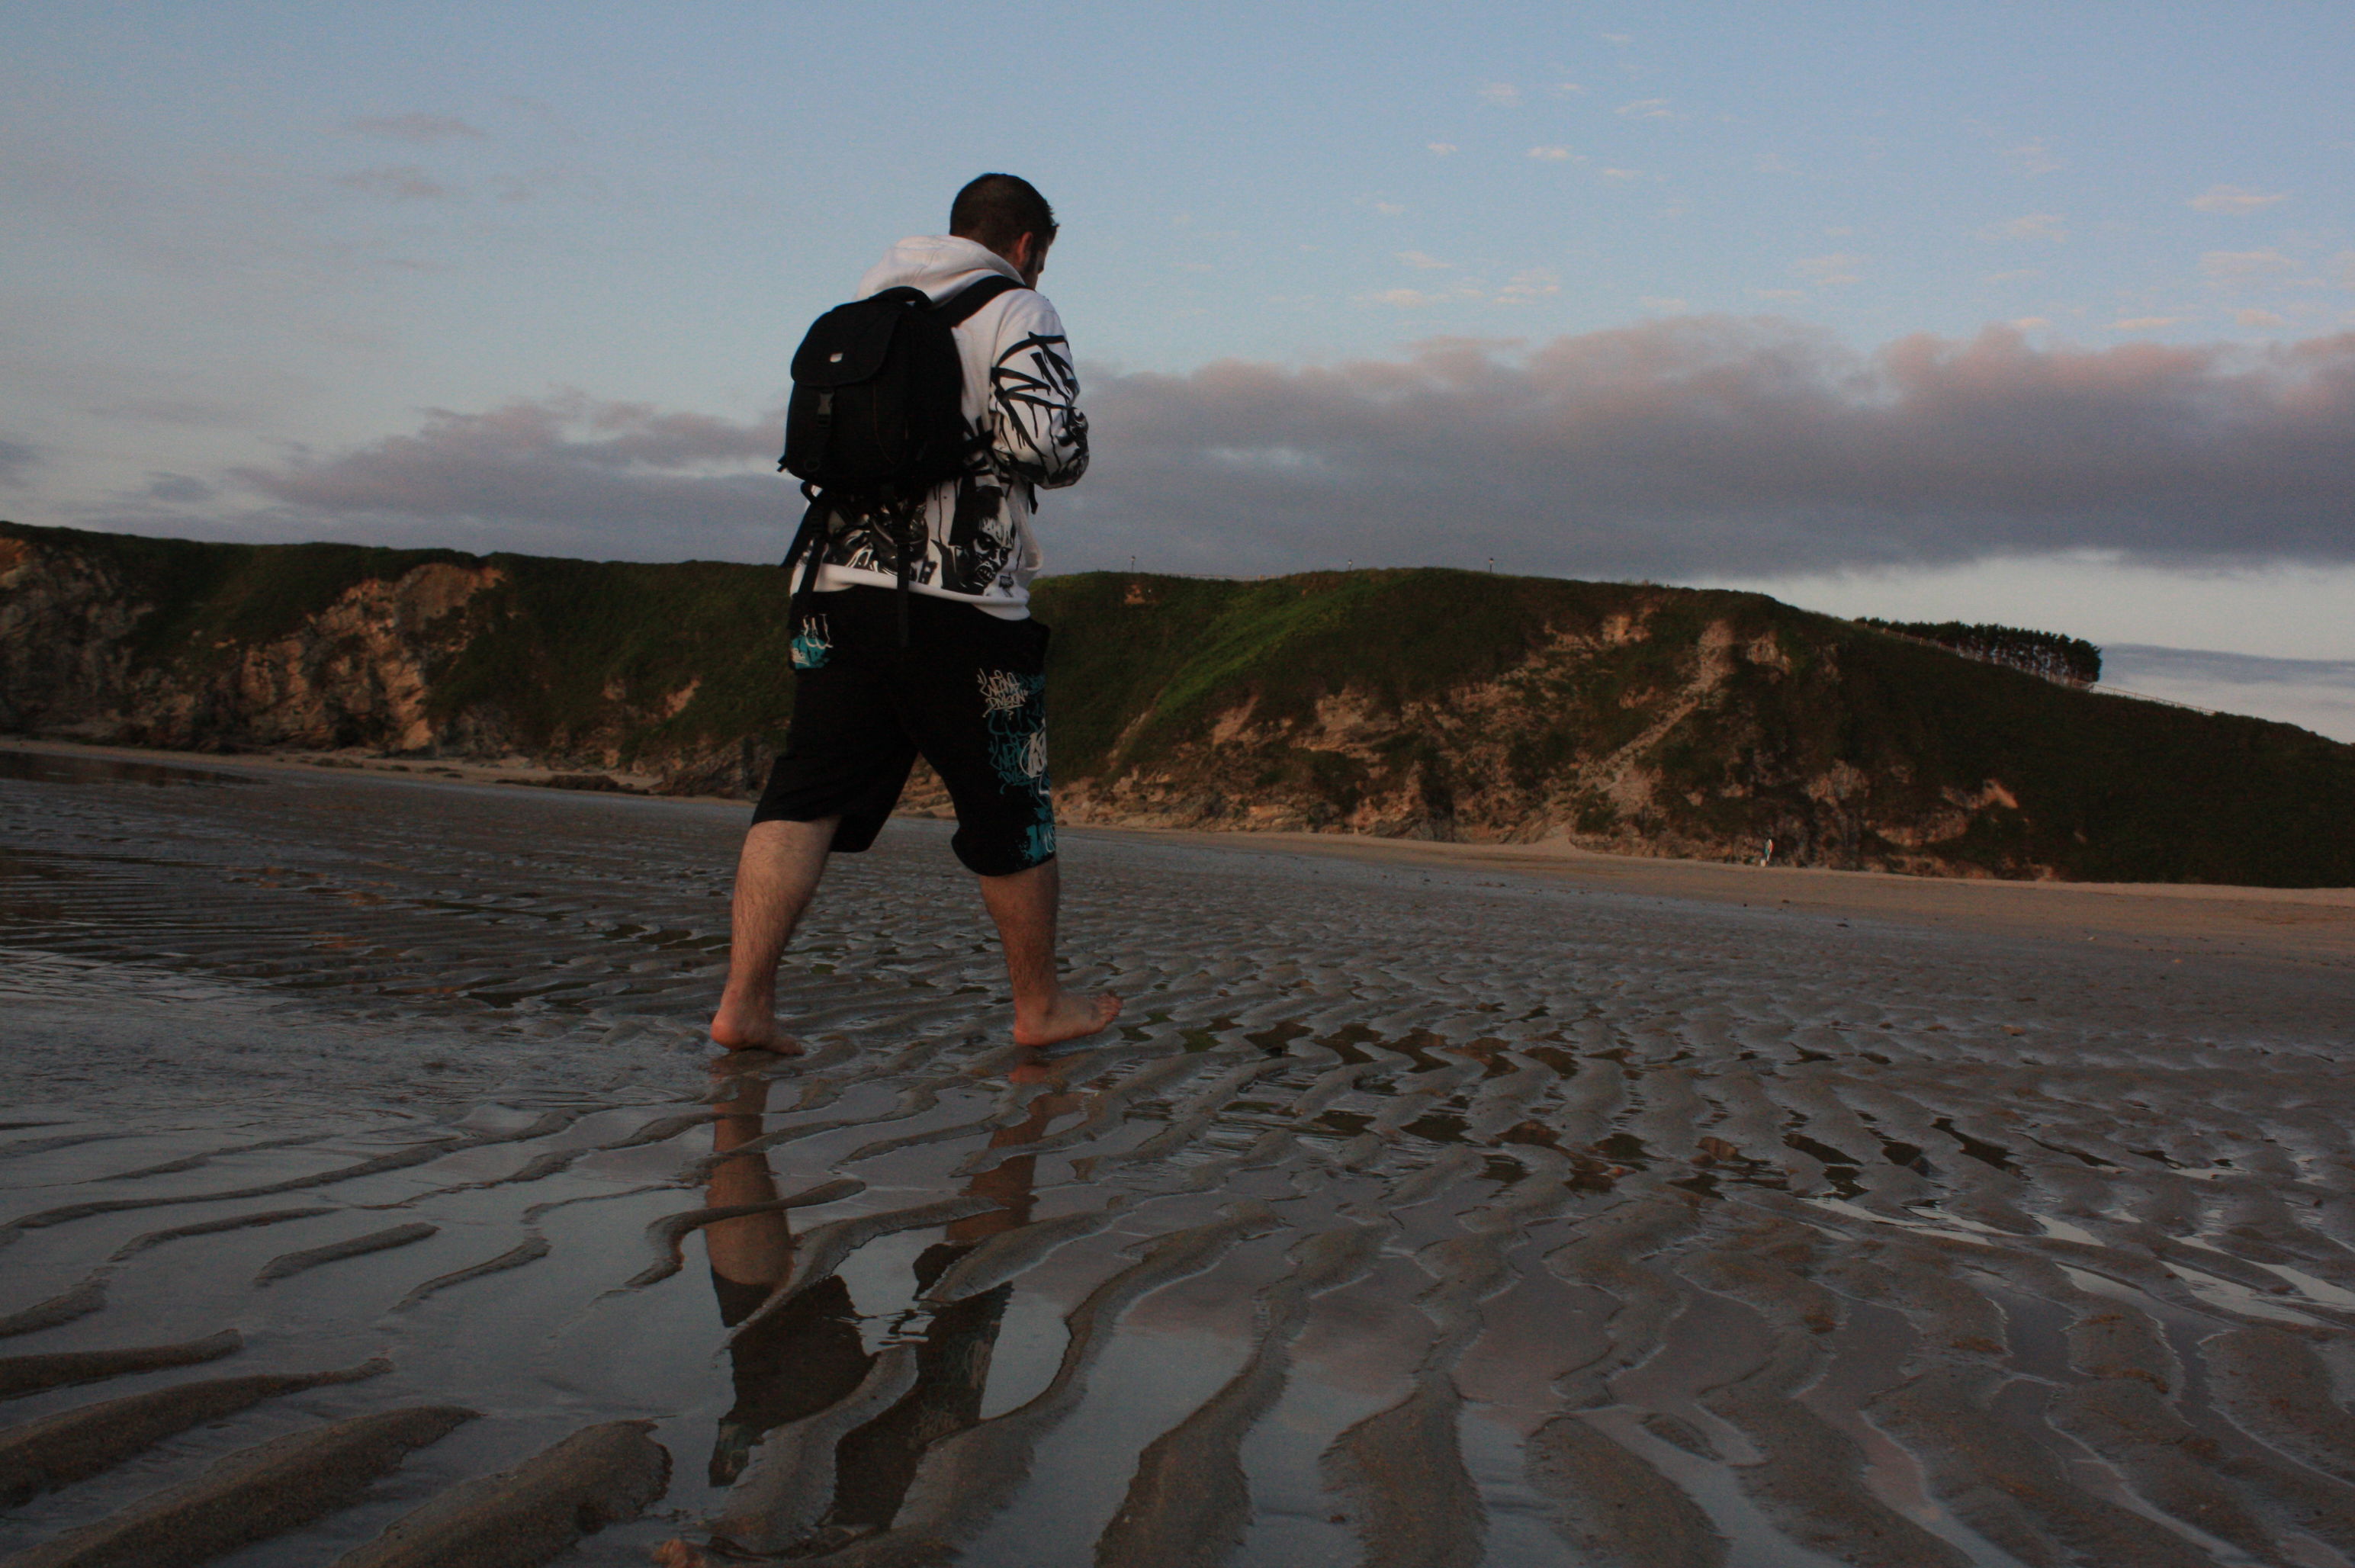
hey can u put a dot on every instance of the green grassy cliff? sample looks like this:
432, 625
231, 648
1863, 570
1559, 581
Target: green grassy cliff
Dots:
1427, 703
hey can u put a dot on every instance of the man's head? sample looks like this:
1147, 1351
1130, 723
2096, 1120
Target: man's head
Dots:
1006, 213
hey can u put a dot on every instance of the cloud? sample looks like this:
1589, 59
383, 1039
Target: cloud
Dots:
2143, 322
1707, 444
563, 472
1555, 154
1621, 175
522, 188
1403, 299
2046, 226
2259, 318
406, 182
2033, 158
1679, 447
2235, 669
1388, 209
1778, 293
2229, 267
1444, 149
1648, 109
1826, 270
1664, 304
2317, 694
2233, 199
17, 458
1422, 263
1501, 94
2016, 275
178, 489
1533, 285
422, 128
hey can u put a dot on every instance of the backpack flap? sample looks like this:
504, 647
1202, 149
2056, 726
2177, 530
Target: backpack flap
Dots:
850, 342
845, 422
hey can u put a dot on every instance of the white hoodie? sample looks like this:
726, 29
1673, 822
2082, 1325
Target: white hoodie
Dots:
1020, 390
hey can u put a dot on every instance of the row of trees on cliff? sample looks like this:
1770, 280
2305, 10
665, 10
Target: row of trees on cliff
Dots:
2072, 660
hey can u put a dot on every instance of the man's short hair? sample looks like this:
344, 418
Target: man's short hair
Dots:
996, 210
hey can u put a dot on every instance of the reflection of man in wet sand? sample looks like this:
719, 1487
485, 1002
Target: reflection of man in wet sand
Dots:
810, 1356
806, 1357
951, 665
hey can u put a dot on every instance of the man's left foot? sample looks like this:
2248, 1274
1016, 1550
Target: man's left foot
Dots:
1068, 1017
756, 1029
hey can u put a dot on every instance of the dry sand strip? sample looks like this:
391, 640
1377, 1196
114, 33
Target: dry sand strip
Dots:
2308, 924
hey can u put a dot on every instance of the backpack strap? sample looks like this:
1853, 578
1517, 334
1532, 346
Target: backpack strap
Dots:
809, 545
903, 522
952, 312
960, 306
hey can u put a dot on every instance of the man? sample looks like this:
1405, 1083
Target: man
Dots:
965, 689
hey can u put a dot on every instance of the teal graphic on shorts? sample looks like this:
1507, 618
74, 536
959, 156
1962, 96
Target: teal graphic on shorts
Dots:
1038, 846
813, 643
1013, 707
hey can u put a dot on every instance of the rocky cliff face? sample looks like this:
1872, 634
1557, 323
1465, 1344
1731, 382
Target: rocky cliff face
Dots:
1426, 704
64, 625
107, 649
1518, 758
355, 673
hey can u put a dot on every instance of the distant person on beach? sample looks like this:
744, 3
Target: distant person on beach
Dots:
943, 660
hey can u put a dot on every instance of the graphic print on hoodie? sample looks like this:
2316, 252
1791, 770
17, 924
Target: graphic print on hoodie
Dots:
1021, 403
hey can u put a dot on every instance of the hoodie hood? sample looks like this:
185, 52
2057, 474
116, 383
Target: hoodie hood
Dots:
940, 264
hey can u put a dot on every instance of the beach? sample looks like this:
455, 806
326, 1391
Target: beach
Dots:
1433, 1203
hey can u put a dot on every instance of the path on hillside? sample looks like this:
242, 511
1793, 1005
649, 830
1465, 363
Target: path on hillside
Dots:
1416, 1217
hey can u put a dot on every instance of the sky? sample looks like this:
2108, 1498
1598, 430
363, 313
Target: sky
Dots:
2038, 314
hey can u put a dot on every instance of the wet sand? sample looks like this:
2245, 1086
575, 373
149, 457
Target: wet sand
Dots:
1435, 1205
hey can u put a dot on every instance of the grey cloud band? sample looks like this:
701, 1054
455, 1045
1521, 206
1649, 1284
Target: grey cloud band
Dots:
1689, 445
1711, 444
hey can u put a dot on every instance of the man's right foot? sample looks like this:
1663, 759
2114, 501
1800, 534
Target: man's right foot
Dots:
752, 1030
1070, 1017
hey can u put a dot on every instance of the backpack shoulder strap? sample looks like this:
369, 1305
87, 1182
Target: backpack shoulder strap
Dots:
961, 306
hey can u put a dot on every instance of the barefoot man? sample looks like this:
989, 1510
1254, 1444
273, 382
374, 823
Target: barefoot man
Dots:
961, 680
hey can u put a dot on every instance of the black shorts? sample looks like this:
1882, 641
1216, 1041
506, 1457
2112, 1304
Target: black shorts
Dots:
968, 694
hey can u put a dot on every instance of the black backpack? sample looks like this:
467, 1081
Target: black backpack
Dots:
877, 417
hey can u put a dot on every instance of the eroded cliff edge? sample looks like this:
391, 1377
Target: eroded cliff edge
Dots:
1428, 703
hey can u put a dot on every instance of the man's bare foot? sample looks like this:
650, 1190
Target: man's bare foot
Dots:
752, 1028
1068, 1017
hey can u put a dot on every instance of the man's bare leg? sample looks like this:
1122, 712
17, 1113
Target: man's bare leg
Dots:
1023, 904
775, 876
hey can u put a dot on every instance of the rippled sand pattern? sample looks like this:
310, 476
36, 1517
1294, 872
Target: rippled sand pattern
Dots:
362, 1168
